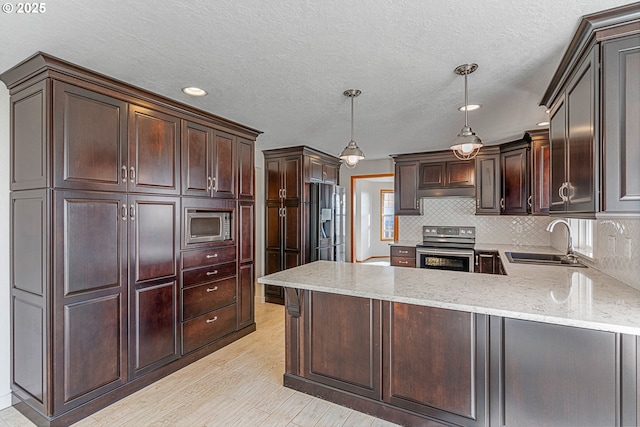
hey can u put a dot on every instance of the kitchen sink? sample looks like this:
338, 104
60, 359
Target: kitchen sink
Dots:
541, 259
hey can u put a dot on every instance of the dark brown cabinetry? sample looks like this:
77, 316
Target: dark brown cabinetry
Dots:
434, 174
488, 181
488, 262
403, 256
406, 188
288, 172
418, 365
540, 158
209, 162
593, 98
573, 174
514, 169
105, 297
621, 124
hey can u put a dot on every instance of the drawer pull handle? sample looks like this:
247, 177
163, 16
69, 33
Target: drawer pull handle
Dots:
215, 288
212, 256
403, 262
403, 252
211, 273
212, 320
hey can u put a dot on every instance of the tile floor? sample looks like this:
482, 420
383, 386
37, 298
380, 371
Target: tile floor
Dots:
239, 385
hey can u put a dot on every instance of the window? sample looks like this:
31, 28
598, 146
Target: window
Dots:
583, 234
387, 218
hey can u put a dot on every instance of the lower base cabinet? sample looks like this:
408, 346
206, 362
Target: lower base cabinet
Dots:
416, 365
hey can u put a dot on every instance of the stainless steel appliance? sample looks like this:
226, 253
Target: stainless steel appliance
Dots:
446, 248
327, 215
202, 225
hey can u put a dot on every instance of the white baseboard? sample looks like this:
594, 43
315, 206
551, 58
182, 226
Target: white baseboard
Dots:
5, 401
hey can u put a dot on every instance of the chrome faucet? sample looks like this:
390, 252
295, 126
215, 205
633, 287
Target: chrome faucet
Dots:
571, 256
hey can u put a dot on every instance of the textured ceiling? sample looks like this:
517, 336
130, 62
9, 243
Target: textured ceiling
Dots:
281, 66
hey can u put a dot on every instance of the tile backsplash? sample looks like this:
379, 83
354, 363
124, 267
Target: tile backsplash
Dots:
506, 230
617, 249
616, 243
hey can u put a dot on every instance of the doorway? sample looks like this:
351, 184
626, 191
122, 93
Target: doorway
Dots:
373, 225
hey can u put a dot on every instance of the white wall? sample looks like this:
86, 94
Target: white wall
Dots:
365, 167
5, 397
367, 233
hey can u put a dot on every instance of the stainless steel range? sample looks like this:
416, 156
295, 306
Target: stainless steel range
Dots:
446, 248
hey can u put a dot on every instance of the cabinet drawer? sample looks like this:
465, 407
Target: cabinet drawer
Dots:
208, 274
208, 328
403, 251
208, 256
403, 262
201, 299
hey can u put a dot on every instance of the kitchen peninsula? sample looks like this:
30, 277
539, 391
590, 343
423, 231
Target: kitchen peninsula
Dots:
543, 345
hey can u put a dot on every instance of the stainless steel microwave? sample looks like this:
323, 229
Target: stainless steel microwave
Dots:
207, 226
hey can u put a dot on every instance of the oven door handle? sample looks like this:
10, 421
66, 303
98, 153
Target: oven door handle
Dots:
445, 252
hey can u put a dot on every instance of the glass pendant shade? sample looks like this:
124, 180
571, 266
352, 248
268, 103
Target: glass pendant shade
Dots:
352, 154
467, 143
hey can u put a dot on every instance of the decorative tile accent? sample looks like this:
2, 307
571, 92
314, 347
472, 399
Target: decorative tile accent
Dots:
615, 259
506, 230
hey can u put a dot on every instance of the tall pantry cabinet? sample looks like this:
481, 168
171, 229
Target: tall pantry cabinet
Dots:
288, 172
107, 294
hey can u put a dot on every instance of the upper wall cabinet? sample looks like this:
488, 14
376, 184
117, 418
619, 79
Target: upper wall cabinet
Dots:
102, 143
621, 124
208, 162
594, 98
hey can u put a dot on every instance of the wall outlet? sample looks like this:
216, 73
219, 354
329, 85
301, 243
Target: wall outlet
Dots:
611, 244
627, 247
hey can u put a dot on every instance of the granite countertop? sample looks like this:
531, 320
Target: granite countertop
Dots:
580, 297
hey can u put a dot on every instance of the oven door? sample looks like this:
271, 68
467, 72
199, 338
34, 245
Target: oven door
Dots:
445, 259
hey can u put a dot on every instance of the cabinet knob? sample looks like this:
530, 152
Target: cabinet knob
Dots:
502, 203
212, 320
530, 201
124, 173
132, 212
124, 212
132, 174
215, 288
209, 183
212, 273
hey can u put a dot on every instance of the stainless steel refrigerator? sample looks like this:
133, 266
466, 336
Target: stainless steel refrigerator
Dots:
327, 210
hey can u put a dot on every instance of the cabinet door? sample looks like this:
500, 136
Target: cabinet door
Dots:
460, 174
245, 169
558, 148
540, 150
515, 181
196, 159
486, 262
273, 180
488, 184
553, 375
245, 295
90, 296
246, 231
315, 170
273, 236
154, 248
621, 80
434, 362
224, 165
331, 173
89, 140
406, 188
342, 343
30, 137
292, 177
154, 156
581, 137
292, 235
432, 175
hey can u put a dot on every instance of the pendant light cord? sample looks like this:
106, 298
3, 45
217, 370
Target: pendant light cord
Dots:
466, 101
352, 117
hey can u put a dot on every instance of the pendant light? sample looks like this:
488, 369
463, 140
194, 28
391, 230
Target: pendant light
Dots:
351, 154
467, 144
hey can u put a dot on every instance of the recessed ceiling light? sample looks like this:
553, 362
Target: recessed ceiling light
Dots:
194, 91
470, 107
543, 124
